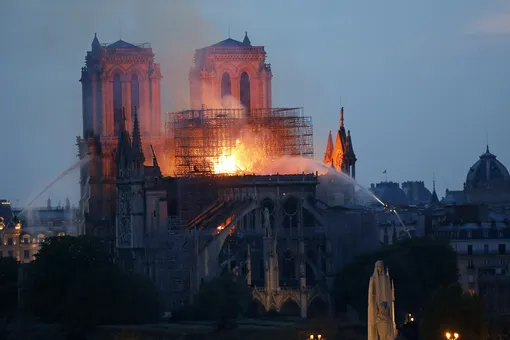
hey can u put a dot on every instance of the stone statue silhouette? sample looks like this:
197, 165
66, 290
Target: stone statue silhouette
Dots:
267, 223
381, 301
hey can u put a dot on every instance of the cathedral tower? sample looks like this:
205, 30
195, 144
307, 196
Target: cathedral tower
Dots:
231, 74
116, 79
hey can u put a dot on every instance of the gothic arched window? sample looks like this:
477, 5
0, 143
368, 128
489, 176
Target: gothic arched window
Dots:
226, 90
244, 94
117, 103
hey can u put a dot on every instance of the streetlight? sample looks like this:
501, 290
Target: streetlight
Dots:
319, 337
451, 336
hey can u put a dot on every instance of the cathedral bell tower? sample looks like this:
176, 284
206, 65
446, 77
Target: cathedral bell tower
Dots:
231, 74
116, 76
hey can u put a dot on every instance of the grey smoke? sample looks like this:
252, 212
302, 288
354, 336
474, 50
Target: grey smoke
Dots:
39, 89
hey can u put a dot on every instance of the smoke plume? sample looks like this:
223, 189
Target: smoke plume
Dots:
47, 40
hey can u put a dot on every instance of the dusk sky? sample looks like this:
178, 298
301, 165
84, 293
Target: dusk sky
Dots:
422, 82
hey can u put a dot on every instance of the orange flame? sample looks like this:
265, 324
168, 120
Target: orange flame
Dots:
242, 159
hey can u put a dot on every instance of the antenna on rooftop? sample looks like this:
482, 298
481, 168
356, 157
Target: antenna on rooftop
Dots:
229, 28
120, 29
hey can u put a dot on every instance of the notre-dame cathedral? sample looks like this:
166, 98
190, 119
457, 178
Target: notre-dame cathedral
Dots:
271, 229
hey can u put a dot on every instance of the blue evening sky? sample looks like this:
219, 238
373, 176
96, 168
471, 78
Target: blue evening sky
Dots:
422, 82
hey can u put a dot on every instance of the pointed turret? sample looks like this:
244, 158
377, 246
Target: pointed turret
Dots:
137, 140
246, 40
328, 155
95, 43
350, 149
342, 117
124, 152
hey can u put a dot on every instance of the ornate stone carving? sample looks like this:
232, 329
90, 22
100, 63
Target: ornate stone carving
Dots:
124, 218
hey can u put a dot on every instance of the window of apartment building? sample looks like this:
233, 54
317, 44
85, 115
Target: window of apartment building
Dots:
485, 248
485, 233
471, 264
470, 249
502, 248
26, 254
9, 241
469, 233
10, 253
500, 234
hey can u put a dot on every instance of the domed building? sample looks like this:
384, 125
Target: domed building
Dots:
487, 181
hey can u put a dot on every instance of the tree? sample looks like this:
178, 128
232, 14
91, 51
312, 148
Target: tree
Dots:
223, 299
73, 281
8, 287
418, 267
450, 310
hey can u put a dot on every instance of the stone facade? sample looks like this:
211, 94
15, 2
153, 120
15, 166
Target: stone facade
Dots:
117, 79
231, 74
22, 232
482, 241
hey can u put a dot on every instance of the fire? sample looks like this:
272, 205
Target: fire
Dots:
241, 159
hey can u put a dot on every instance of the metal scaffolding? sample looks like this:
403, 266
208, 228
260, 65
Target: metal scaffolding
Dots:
198, 138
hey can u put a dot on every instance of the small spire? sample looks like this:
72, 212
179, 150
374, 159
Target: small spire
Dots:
342, 117
328, 155
137, 139
433, 181
95, 42
433, 198
487, 142
122, 127
246, 40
